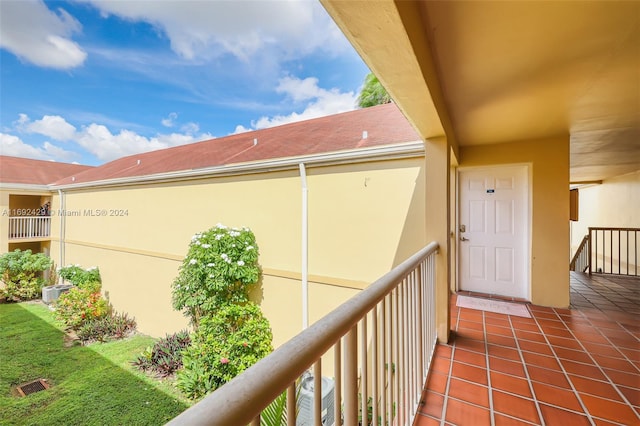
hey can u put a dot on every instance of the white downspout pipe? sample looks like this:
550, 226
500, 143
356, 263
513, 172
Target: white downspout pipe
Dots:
305, 248
61, 213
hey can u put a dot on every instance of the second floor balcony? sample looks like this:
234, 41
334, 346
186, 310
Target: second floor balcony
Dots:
536, 366
29, 227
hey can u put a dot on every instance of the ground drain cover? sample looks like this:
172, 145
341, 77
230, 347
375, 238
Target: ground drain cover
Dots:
32, 387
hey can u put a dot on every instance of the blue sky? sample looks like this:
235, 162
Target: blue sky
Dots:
90, 81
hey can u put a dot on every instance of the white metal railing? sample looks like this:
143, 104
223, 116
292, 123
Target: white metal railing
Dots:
381, 342
21, 227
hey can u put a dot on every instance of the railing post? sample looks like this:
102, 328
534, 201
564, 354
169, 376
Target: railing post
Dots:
291, 405
589, 250
317, 393
363, 370
351, 377
337, 368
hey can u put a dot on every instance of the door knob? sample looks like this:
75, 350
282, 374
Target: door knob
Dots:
464, 239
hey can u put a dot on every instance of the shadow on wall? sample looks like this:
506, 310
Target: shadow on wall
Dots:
413, 233
256, 294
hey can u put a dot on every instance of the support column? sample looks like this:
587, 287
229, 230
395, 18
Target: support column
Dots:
438, 185
4, 221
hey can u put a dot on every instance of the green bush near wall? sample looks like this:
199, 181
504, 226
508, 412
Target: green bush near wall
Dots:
21, 272
212, 289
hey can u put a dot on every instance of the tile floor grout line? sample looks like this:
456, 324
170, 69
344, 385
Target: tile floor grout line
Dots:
486, 357
519, 420
597, 364
610, 421
526, 371
566, 375
443, 415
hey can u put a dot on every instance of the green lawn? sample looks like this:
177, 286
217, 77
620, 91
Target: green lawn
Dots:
90, 385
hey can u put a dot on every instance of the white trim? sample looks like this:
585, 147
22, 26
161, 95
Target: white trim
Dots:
24, 187
396, 151
305, 247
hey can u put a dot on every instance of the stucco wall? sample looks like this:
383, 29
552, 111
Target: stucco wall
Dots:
363, 220
614, 203
25, 205
549, 177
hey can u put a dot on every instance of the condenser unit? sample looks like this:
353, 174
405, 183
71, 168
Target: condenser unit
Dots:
51, 293
305, 401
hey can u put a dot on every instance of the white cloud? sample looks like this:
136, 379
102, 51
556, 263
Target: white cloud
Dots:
52, 126
14, 146
60, 154
38, 35
319, 102
95, 138
299, 90
170, 120
241, 129
190, 128
206, 29
99, 141
22, 119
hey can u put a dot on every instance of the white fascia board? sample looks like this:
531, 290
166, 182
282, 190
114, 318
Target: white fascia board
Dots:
7, 186
385, 152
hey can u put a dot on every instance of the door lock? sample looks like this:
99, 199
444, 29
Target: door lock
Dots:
463, 228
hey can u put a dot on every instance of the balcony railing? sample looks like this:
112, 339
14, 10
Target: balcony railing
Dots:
614, 251
580, 261
381, 342
24, 227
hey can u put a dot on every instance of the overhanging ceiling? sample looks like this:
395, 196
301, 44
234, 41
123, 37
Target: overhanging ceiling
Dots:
499, 72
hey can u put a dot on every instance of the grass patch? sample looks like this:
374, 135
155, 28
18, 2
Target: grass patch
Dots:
90, 385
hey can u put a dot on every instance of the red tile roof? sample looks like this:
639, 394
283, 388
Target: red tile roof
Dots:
384, 125
35, 172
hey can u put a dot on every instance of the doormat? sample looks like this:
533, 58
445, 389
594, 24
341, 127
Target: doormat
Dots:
493, 305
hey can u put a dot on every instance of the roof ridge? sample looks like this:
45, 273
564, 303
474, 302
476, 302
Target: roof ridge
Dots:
352, 130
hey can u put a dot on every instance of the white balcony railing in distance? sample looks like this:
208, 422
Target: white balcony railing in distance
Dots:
25, 227
382, 341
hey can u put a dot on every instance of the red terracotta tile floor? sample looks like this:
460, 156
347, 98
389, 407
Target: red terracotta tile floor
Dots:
577, 366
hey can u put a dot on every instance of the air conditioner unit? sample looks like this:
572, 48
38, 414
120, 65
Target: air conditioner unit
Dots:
51, 293
305, 401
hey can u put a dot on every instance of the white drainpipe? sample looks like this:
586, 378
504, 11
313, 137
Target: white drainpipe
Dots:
305, 249
61, 213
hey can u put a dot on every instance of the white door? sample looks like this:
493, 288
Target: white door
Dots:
494, 231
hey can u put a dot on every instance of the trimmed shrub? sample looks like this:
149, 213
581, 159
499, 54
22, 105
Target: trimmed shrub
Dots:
110, 327
88, 279
164, 358
78, 306
224, 345
21, 274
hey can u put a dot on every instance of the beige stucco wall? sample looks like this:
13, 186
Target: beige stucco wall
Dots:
363, 220
615, 203
549, 182
25, 205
